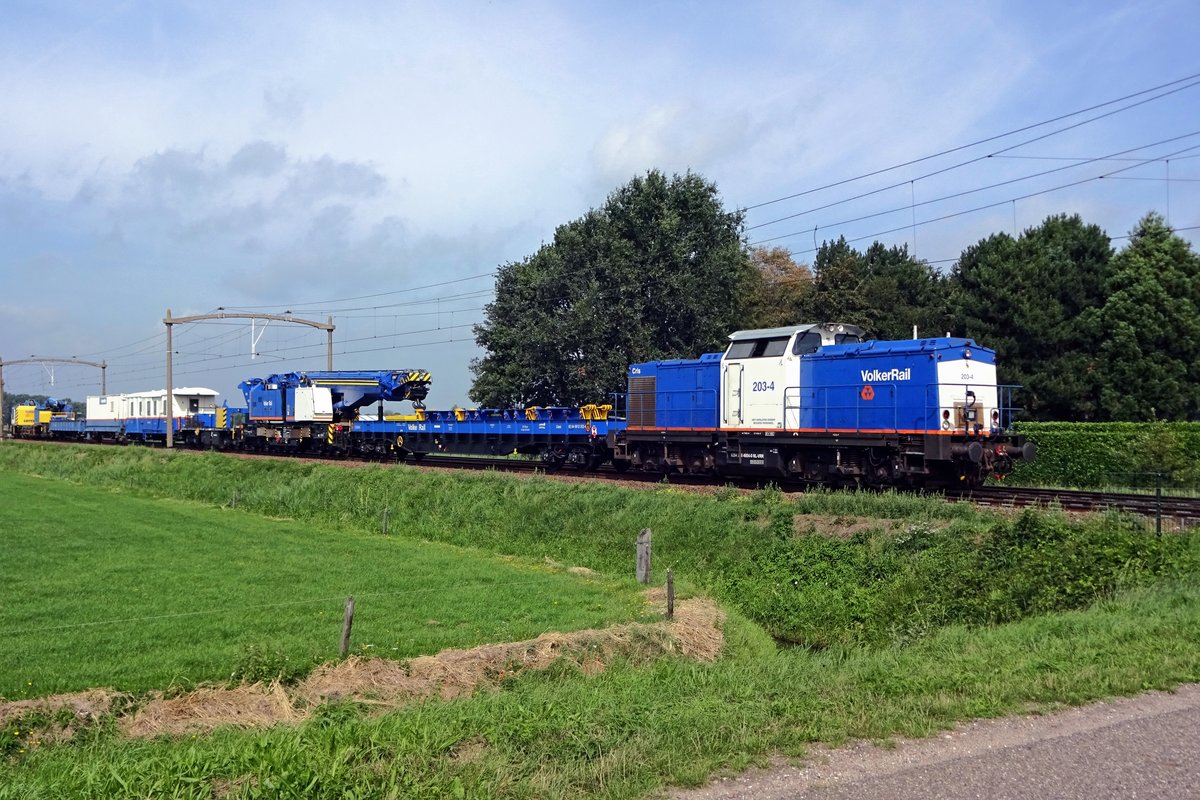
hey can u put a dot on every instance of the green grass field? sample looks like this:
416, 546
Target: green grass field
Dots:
910, 613
101, 589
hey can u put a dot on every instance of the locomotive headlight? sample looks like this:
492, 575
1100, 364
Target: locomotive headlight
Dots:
967, 353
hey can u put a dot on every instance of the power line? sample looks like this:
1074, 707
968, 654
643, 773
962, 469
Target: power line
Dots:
1172, 87
973, 144
971, 160
1160, 180
983, 207
224, 336
366, 296
186, 365
996, 185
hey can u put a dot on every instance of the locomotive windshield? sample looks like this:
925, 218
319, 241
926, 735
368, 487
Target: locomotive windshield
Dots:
806, 343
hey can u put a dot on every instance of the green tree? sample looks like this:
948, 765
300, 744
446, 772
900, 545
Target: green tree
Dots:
839, 274
659, 271
779, 291
1033, 300
1150, 327
901, 293
885, 290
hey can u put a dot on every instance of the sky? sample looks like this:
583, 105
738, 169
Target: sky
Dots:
375, 163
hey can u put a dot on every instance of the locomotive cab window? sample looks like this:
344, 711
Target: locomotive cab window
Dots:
742, 349
774, 347
758, 348
847, 338
806, 343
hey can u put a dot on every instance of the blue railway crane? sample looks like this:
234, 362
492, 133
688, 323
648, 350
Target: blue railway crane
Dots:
306, 408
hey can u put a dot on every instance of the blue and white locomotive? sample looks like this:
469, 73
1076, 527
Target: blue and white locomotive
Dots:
817, 403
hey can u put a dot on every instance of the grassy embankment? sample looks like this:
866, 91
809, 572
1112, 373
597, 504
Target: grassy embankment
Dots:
113, 590
895, 614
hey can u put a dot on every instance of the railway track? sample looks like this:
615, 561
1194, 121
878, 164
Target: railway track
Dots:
1185, 511
1182, 512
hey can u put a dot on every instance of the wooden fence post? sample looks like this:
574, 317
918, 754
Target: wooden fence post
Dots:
347, 622
643, 556
670, 594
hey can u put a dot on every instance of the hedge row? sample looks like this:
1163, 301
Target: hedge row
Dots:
1088, 454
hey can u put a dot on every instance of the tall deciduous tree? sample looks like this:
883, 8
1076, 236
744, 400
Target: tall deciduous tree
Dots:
839, 272
658, 272
1150, 327
884, 290
1029, 298
779, 292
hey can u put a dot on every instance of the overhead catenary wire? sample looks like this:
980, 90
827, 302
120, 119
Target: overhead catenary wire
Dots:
186, 366
305, 304
233, 330
152, 345
900, 184
982, 207
996, 185
975, 143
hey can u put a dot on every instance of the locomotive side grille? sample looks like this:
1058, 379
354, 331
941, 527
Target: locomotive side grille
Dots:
641, 401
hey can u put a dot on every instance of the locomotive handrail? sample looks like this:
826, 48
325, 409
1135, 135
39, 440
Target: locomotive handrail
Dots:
823, 392
1004, 393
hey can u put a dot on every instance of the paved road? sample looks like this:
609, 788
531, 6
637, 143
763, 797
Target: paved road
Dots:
1145, 747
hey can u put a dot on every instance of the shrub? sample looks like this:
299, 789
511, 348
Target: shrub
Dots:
1111, 453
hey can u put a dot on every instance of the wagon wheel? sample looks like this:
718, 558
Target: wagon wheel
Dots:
582, 459
554, 457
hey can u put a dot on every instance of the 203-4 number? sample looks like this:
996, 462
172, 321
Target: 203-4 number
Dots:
763, 386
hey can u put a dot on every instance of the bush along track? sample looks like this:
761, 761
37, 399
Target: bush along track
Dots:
1111, 454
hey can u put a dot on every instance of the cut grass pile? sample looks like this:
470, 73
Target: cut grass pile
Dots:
105, 589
